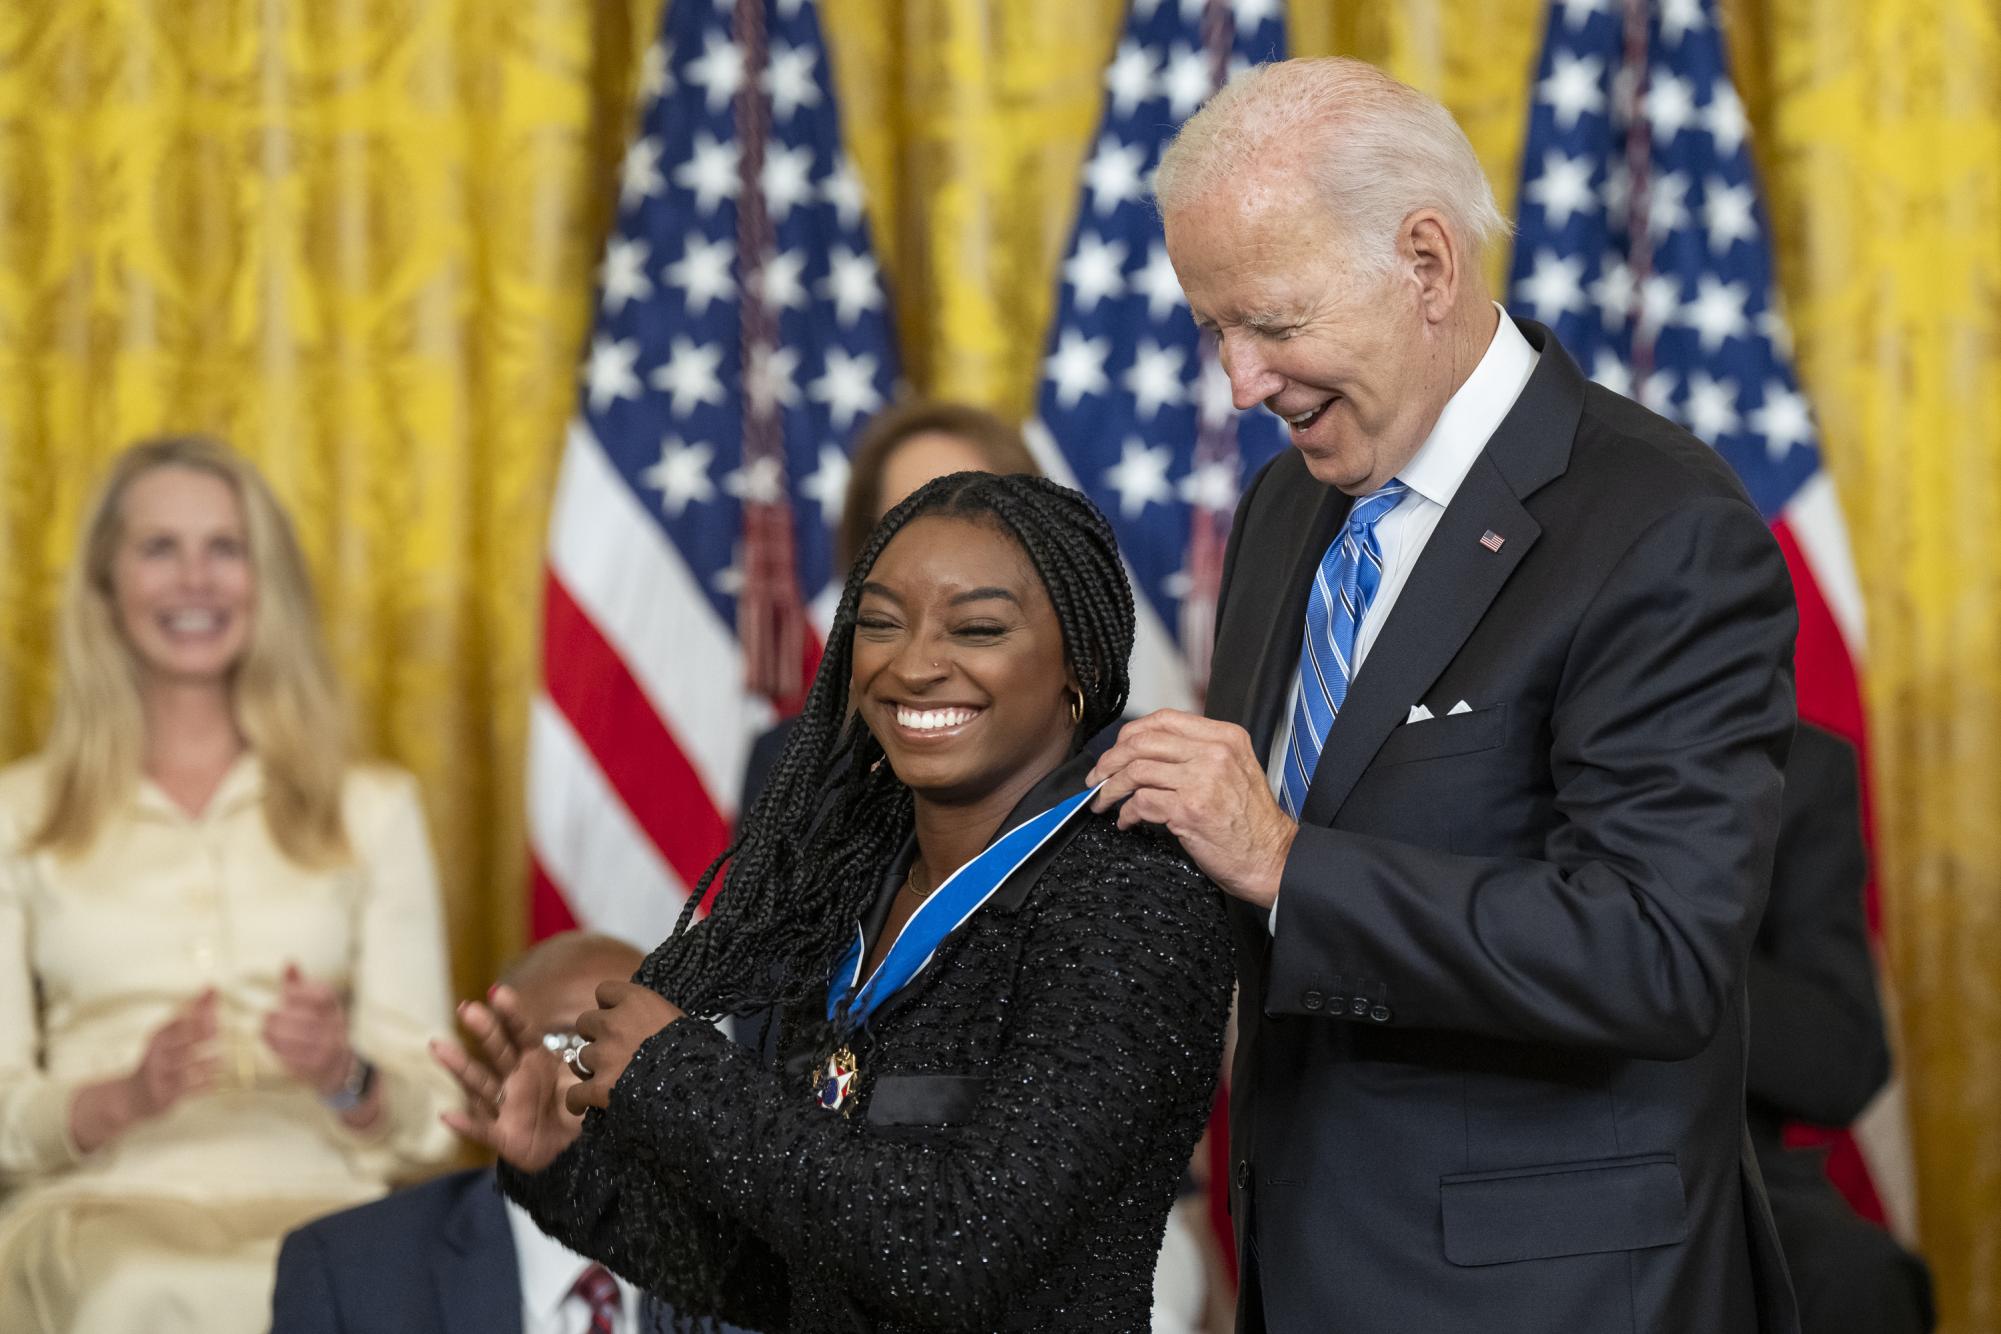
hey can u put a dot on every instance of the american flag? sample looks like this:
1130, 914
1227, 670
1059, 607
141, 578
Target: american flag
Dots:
1644, 243
1134, 409
742, 333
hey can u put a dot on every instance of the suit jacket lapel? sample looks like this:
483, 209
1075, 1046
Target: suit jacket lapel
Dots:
1447, 594
1316, 523
1457, 578
474, 1269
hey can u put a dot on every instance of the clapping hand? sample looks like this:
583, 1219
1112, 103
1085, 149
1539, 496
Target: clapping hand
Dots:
308, 1032
513, 1085
177, 1060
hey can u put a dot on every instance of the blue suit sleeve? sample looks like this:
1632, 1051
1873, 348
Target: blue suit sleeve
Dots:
302, 1299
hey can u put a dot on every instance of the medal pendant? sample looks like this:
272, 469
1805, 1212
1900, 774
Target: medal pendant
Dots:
834, 1081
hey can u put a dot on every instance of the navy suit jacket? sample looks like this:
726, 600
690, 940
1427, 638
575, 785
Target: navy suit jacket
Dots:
1490, 1074
434, 1259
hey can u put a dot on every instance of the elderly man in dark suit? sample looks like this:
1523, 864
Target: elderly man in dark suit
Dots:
1501, 692
452, 1256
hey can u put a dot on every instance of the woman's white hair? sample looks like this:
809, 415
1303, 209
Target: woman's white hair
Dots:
1376, 150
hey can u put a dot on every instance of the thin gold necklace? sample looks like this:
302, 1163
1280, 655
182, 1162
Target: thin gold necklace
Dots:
910, 883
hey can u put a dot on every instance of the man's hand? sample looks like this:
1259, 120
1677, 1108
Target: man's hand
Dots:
1200, 779
626, 1016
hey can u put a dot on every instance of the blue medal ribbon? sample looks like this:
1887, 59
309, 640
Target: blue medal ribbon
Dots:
850, 1000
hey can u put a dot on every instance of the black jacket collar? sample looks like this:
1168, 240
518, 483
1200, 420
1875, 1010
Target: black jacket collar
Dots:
1066, 779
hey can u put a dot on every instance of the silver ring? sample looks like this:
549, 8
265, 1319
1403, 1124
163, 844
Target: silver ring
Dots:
574, 1058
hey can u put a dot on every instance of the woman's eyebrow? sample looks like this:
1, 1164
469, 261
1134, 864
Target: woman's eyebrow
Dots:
982, 595
870, 588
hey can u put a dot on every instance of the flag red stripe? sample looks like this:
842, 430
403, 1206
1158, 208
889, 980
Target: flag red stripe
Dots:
548, 911
588, 682
1830, 689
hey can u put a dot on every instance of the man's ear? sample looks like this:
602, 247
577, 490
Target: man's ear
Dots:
1432, 253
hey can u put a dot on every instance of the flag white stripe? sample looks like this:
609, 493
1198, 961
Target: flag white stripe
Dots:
611, 875
626, 576
1814, 516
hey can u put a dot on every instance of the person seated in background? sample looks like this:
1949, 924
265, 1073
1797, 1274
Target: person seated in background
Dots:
1819, 1052
454, 1254
221, 947
900, 450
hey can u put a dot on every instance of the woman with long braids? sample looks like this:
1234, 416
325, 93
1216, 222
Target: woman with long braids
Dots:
991, 1019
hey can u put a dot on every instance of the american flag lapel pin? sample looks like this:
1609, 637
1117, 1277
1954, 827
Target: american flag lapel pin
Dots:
1491, 540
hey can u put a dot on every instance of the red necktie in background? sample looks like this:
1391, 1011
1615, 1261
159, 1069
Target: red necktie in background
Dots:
597, 1289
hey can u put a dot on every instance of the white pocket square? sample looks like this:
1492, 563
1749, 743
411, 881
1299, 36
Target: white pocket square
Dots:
1461, 707
1418, 713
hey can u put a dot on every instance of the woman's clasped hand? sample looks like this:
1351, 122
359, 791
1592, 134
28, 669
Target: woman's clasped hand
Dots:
306, 1032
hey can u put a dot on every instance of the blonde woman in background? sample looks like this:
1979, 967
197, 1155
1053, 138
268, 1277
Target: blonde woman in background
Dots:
220, 941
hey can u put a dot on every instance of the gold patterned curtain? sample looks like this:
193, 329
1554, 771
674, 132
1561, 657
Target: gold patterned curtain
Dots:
357, 237
354, 237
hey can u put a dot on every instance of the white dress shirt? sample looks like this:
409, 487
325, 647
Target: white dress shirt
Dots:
549, 1270
1433, 475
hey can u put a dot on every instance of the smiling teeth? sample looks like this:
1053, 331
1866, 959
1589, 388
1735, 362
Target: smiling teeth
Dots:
1308, 415
193, 622
930, 720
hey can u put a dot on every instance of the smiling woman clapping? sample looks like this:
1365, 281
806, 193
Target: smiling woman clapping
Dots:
991, 1019
221, 946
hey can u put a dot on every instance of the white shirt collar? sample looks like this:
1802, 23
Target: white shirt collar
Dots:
1471, 416
548, 1268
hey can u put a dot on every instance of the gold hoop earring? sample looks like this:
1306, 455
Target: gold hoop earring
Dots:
1077, 709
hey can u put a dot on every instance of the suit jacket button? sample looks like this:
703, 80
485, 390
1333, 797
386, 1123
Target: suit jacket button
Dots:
1243, 1175
1381, 1014
1359, 1007
1312, 1000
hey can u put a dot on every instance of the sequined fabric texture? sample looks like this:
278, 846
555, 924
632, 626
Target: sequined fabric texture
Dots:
1021, 1121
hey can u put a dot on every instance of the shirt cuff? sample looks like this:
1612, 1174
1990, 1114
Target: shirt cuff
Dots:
43, 1124
1271, 922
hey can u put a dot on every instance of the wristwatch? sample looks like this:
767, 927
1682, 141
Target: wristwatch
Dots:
352, 1093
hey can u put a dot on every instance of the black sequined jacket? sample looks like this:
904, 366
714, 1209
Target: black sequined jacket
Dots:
1021, 1120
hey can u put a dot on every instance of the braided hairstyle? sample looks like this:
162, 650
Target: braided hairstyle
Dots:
808, 858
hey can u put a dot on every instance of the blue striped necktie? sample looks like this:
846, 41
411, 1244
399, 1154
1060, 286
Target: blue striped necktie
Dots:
1343, 588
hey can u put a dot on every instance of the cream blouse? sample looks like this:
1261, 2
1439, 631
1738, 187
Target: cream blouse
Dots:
164, 905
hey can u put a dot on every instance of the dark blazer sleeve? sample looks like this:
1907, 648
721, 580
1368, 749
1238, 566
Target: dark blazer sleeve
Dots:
1116, 1019
1630, 930
1818, 1050
636, 1212
302, 1298
764, 753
